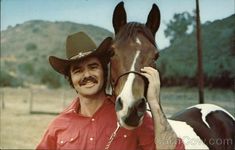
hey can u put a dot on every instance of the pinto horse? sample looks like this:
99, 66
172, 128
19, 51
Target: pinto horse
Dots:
203, 126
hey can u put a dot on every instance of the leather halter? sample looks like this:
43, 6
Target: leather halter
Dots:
146, 82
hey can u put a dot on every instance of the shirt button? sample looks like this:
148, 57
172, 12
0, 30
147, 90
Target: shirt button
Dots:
61, 142
125, 136
71, 139
92, 119
91, 139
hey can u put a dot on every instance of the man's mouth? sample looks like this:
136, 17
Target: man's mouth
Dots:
88, 82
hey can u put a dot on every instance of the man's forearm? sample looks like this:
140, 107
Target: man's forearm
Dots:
165, 137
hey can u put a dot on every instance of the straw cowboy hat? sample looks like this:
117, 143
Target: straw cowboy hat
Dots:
78, 47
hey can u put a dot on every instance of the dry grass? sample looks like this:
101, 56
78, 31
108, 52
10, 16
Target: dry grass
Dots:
19, 128
178, 98
22, 130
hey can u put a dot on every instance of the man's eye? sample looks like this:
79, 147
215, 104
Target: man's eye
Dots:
77, 71
94, 67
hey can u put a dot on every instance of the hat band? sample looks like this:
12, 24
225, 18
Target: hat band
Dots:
79, 55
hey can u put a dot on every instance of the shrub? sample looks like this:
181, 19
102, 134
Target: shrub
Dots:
8, 80
31, 46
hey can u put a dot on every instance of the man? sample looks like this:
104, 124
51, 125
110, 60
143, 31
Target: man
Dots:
90, 120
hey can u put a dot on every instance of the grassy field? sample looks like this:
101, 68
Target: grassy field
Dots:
22, 130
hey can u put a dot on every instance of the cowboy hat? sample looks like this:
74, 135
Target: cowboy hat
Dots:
78, 47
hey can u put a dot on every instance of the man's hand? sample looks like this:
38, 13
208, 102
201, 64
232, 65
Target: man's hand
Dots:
154, 83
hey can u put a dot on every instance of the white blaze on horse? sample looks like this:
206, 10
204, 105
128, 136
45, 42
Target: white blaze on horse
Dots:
200, 127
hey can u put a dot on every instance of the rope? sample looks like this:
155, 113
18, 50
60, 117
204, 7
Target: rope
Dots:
113, 135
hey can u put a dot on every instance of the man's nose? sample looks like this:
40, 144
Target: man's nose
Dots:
86, 73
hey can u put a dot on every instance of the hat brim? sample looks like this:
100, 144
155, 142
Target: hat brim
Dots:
62, 65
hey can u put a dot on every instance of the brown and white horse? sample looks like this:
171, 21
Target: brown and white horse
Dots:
203, 126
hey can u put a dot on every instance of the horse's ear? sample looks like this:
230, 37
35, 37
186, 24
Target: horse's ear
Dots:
153, 21
119, 17
106, 47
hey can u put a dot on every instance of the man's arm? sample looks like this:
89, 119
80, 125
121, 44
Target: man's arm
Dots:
165, 137
48, 140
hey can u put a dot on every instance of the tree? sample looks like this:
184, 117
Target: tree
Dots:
178, 26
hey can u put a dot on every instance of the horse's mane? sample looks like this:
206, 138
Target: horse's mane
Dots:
131, 29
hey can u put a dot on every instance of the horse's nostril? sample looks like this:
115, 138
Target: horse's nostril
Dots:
143, 100
141, 106
119, 104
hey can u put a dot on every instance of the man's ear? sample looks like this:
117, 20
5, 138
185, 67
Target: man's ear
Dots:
119, 17
153, 21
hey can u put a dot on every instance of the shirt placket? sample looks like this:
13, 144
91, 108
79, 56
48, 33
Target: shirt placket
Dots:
92, 135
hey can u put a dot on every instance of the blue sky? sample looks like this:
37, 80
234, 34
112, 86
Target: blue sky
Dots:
99, 12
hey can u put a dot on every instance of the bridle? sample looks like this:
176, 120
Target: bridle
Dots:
146, 82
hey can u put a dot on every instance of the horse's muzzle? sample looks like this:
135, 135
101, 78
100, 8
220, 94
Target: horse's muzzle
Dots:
135, 114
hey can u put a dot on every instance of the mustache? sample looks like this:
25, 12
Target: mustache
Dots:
88, 79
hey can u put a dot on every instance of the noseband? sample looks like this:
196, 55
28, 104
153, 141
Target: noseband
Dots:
146, 82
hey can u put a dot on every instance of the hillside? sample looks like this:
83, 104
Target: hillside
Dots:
25, 49
178, 63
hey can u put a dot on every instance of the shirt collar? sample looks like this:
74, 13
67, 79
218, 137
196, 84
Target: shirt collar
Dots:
74, 106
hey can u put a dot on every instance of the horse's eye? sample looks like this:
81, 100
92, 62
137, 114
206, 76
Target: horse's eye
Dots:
156, 55
153, 64
112, 81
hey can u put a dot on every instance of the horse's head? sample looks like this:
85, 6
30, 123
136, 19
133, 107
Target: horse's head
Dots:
134, 47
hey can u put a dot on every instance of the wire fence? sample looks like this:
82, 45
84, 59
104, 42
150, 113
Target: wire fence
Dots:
39, 101
53, 101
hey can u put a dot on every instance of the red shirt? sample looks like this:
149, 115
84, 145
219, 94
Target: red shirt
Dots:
71, 130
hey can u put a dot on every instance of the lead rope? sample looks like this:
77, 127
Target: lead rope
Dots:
113, 135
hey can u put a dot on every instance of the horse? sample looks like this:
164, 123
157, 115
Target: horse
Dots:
201, 126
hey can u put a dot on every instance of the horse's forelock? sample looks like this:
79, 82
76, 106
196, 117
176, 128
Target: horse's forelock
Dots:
130, 31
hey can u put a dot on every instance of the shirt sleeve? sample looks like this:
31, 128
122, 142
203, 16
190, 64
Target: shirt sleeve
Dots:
179, 145
48, 141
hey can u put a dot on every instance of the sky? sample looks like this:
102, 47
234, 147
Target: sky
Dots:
99, 12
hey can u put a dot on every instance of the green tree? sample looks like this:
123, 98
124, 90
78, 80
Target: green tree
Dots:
178, 26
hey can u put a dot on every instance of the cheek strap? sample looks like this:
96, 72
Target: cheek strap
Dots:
108, 87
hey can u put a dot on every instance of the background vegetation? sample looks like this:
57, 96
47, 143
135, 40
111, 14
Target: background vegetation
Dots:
178, 62
25, 49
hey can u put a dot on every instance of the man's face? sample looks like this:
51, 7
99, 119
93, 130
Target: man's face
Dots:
87, 76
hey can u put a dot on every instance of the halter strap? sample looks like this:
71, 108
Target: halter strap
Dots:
146, 82
113, 135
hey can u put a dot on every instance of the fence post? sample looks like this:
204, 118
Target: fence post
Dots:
2, 98
31, 101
